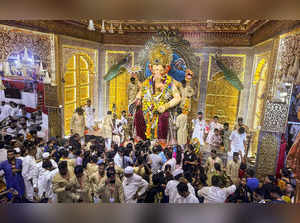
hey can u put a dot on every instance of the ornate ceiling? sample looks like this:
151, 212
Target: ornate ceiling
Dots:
136, 32
233, 26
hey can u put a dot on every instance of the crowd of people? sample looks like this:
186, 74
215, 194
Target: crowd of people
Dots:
110, 169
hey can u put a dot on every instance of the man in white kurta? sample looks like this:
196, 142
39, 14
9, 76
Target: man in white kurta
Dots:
215, 194
118, 132
171, 188
184, 196
89, 115
29, 166
6, 111
45, 181
237, 142
200, 128
39, 171
214, 124
134, 185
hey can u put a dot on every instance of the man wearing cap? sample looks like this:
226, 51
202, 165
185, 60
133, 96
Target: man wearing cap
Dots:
134, 186
200, 128
171, 188
40, 171
18, 153
45, 192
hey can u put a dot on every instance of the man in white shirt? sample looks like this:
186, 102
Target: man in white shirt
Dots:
5, 111
171, 188
24, 131
237, 143
214, 124
118, 159
12, 129
200, 127
39, 171
29, 166
170, 161
215, 194
45, 181
123, 118
156, 161
184, 196
134, 185
89, 115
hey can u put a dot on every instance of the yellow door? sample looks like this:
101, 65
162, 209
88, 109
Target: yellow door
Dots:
118, 93
222, 99
76, 88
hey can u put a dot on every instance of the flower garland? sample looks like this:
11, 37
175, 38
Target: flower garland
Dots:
152, 101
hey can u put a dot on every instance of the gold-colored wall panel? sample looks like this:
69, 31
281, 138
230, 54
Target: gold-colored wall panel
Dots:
222, 100
71, 63
70, 78
77, 86
67, 126
84, 92
69, 109
118, 85
84, 77
83, 63
70, 95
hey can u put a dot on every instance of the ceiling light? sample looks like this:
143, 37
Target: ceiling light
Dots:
103, 30
120, 31
111, 29
91, 26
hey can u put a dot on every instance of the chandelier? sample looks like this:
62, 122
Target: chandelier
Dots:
112, 28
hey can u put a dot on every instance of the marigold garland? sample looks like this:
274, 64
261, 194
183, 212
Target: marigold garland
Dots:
151, 102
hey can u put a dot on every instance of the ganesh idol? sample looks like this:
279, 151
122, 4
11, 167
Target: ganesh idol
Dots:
157, 95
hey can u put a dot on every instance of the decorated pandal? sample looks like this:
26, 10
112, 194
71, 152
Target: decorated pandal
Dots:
170, 90
165, 80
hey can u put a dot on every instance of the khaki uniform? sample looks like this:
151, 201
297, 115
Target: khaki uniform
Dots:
71, 163
182, 129
107, 127
233, 170
95, 179
83, 189
210, 164
226, 140
78, 124
91, 168
110, 193
59, 185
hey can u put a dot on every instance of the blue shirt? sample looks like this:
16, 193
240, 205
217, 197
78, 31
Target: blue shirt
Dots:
163, 157
14, 181
252, 183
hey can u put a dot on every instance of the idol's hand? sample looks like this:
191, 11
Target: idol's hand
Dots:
161, 109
